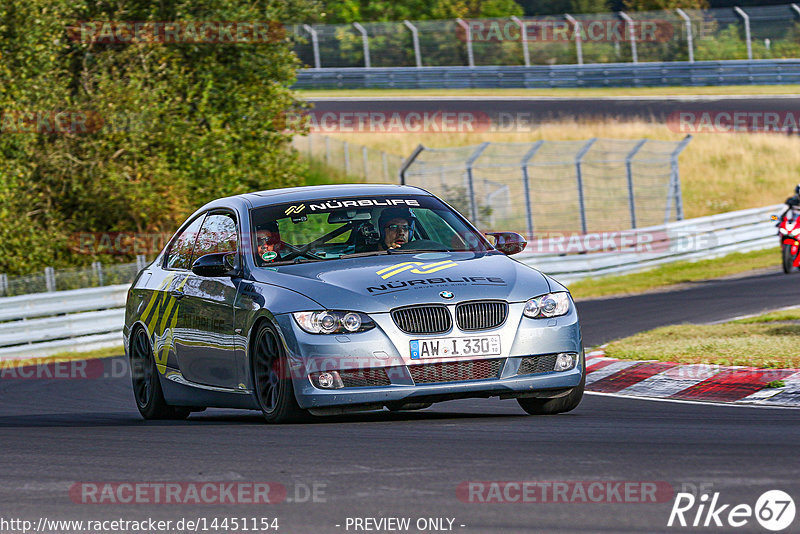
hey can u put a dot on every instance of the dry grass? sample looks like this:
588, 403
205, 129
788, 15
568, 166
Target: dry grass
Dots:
762, 343
108, 352
719, 172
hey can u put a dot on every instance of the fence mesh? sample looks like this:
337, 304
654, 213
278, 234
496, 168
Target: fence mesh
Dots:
717, 34
556, 186
354, 160
70, 278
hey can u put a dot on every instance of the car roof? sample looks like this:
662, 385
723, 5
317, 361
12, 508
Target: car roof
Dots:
307, 193
313, 192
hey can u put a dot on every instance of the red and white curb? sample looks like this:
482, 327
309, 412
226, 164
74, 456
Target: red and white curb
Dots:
691, 382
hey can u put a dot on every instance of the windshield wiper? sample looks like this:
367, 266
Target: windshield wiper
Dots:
299, 259
413, 250
364, 254
389, 251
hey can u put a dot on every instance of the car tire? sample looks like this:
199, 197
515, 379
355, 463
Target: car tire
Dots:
570, 401
146, 383
788, 259
272, 380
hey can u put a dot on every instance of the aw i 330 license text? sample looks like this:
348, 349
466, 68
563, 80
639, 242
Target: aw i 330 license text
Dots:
324, 300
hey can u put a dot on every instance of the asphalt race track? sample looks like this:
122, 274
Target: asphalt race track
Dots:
537, 109
55, 433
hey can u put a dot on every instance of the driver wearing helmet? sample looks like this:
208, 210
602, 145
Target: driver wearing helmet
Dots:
794, 200
396, 227
792, 203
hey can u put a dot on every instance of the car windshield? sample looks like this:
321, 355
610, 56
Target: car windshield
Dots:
334, 228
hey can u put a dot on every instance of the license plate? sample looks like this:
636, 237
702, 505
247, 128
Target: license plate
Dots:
448, 347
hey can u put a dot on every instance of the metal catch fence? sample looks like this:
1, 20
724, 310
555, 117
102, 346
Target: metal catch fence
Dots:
760, 32
353, 160
555, 186
50, 279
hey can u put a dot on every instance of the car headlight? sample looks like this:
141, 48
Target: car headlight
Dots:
550, 305
333, 322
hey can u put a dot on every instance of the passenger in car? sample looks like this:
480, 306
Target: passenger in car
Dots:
268, 241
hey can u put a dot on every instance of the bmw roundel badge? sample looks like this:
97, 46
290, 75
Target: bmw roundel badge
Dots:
446, 295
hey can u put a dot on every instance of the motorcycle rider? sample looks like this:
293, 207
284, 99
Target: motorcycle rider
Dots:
792, 202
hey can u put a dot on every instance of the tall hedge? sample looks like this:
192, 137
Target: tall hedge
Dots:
171, 125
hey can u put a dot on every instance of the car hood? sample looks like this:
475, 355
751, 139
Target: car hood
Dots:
378, 283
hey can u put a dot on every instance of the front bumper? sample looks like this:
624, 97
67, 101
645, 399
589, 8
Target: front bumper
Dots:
386, 348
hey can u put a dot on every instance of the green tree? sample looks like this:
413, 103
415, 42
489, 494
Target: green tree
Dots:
654, 5
589, 6
348, 11
182, 123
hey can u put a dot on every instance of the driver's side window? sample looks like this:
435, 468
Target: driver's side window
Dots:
218, 234
180, 253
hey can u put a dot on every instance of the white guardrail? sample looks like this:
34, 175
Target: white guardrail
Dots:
643, 248
42, 324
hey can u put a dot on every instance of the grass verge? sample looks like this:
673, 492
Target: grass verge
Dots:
317, 173
676, 273
582, 92
768, 341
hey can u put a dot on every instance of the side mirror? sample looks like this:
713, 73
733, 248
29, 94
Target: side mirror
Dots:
217, 264
508, 242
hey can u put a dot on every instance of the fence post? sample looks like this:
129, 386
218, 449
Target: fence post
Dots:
327, 150
746, 19
578, 36
97, 267
468, 32
50, 279
578, 157
314, 45
675, 178
631, 35
385, 162
364, 157
4, 283
346, 150
415, 40
528, 208
407, 163
364, 43
473, 206
141, 262
523, 32
629, 172
689, 38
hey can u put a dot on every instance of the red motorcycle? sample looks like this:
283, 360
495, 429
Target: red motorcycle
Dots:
789, 233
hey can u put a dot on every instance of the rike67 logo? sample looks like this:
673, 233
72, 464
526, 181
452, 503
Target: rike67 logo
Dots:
774, 510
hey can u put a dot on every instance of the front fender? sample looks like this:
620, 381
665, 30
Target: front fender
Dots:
256, 302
